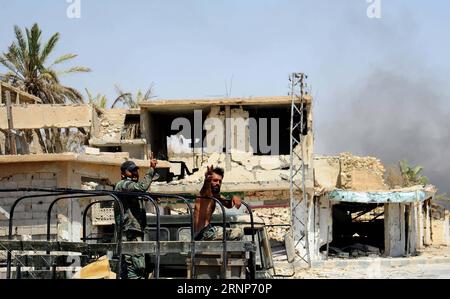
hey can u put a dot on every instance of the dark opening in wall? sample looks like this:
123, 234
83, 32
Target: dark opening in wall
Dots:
110, 149
160, 124
270, 132
358, 230
267, 114
132, 127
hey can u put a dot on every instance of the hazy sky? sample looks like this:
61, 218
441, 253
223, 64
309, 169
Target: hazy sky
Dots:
381, 86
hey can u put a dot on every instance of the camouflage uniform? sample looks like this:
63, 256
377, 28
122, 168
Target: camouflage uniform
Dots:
134, 222
215, 233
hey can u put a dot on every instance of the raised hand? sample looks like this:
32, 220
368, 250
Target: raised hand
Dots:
153, 161
206, 189
209, 173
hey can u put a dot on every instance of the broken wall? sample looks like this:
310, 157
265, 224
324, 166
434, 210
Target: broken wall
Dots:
108, 125
440, 225
349, 172
38, 116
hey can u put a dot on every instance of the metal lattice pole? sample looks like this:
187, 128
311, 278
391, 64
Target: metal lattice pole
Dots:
297, 174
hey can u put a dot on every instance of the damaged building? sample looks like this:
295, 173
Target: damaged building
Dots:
349, 210
357, 214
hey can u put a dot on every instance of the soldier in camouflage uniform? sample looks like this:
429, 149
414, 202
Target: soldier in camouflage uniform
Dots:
133, 266
204, 208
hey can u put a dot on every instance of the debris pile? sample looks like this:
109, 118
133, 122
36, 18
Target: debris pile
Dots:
275, 216
111, 123
246, 168
349, 163
354, 250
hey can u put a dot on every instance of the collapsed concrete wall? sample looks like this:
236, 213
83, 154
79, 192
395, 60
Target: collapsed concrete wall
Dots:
109, 125
349, 172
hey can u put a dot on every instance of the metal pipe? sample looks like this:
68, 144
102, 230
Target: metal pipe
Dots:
50, 208
224, 238
10, 226
252, 254
61, 191
120, 227
85, 217
158, 236
191, 213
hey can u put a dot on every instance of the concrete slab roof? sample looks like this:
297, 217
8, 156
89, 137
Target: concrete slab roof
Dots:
174, 104
403, 195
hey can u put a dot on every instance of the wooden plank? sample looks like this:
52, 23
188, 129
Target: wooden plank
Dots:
27, 97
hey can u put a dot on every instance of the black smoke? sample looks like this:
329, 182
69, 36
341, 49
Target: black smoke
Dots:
394, 115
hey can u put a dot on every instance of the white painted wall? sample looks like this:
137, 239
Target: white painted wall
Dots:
394, 229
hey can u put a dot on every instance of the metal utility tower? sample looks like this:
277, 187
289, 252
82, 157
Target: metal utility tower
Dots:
297, 177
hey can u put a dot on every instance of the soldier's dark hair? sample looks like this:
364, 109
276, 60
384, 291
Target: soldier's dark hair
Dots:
219, 171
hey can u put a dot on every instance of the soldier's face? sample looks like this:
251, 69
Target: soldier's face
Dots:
216, 183
134, 175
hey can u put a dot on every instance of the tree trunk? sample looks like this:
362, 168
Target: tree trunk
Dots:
41, 140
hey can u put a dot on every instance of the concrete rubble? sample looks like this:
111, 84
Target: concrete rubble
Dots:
275, 216
246, 168
348, 172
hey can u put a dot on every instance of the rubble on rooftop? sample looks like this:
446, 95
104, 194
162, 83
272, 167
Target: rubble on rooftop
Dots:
349, 172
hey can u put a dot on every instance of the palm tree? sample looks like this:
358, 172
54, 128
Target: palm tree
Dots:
412, 174
26, 62
128, 100
27, 69
100, 99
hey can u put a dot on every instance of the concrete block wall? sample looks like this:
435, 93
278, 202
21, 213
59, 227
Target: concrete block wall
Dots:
29, 215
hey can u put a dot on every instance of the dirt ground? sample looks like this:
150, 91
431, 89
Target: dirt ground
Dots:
432, 263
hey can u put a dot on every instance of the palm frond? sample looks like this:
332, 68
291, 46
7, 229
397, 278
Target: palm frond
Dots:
149, 93
75, 69
124, 98
416, 170
48, 47
90, 97
63, 58
20, 39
